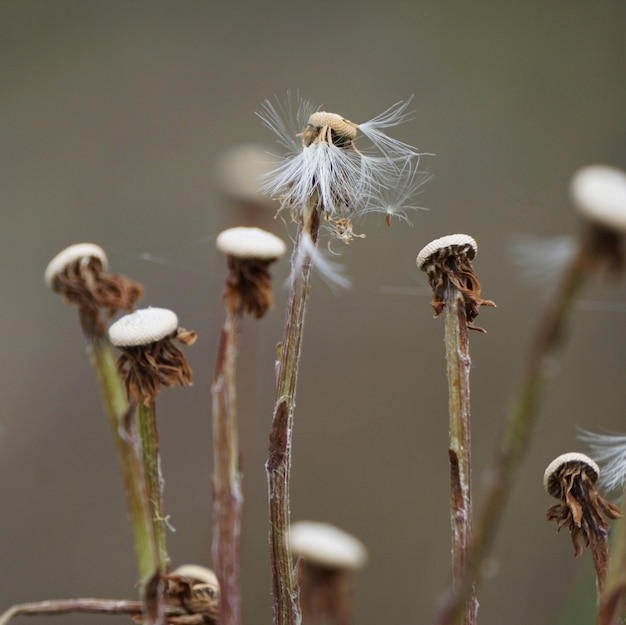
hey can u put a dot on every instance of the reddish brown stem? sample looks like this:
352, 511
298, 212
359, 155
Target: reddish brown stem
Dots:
227, 492
285, 589
516, 437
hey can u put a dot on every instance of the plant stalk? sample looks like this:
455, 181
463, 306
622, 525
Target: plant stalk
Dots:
148, 453
136, 443
285, 591
516, 437
83, 606
148, 439
120, 422
458, 369
612, 599
227, 491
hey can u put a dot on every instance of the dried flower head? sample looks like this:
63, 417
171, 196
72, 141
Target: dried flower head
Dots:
149, 358
79, 273
448, 260
599, 192
328, 558
327, 546
571, 478
238, 172
250, 252
196, 589
323, 164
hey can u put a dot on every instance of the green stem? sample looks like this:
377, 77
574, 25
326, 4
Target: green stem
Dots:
227, 492
120, 423
285, 591
516, 437
148, 439
458, 369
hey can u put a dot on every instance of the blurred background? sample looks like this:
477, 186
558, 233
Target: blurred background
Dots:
115, 117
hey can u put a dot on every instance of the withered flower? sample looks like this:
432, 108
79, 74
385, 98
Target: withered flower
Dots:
149, 358
79, 273
196, 589
250, 252
448, 260
599, 192
327, 558
571, 478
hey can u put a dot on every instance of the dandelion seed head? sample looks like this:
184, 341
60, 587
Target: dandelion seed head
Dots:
322, 123
325, 179
329, 169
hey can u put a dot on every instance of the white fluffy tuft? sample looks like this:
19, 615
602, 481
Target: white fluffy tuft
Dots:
609, 451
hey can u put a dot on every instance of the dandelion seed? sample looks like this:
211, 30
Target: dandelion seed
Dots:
395, 199
541, 260
609, 451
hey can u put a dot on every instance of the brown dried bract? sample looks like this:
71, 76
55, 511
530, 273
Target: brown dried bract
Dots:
582, 511
456, 269
606, 249
145, 367
248, 287
90, 287
200, 600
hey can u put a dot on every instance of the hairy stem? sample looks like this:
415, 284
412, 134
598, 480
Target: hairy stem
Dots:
227, 492
120, 421
286, 605
68, 606
458, 369
148, 438
516, 436
148, 451
83, 605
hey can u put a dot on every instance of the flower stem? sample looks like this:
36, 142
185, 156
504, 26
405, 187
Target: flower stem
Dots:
148, 452
227, 492
612, 599
285, 591
516, 437
120, 422
148, 439
458, 369
68, 606
84, 606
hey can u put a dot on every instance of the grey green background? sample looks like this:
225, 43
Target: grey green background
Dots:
112, 117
